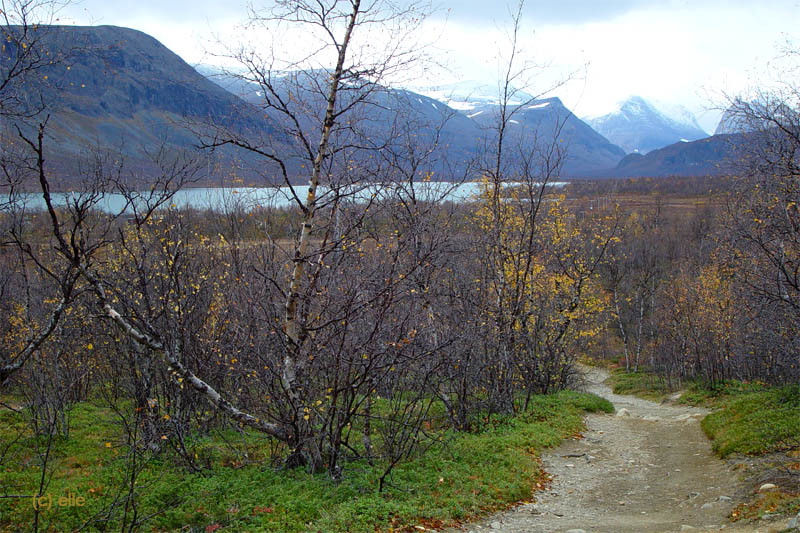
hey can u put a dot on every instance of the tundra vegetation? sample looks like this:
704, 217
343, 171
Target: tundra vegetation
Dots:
373, 355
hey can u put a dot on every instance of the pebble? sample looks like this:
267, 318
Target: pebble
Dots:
686, 528
496, 525
623, 412
724, 499
766, 487
794, 522
576, 531
706, 506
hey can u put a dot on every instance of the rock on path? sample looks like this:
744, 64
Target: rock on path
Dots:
649, 468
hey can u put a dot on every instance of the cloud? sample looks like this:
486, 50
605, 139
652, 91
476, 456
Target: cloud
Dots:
666, 49
176, 11
570, 12
545, 12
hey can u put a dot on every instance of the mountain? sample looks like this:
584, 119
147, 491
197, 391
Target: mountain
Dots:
741, 117
122, 91
400, 118
463, 116
713, 155
639, 126
547, 120
543, 118
467, 96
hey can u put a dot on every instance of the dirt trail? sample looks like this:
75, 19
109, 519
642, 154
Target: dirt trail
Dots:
646, 468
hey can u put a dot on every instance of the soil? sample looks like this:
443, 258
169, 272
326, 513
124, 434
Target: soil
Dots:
648, 467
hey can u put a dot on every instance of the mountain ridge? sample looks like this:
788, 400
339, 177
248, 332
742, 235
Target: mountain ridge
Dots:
638, 126
122, 88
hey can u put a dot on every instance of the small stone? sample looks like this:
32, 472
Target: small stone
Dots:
589, 458
766, 487
794, 522
496, 525
623, 412
724, 499
706, 506
686, 528
576, 531
569, 465
622, 503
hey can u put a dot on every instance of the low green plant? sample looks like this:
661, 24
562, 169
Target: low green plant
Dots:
642, 384
756, 421
459, 476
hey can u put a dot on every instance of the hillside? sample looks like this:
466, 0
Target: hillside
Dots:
711, 156
122, 91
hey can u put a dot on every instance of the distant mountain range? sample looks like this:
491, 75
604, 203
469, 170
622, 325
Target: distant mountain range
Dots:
123, 90
468, 114
639, 126
542, 118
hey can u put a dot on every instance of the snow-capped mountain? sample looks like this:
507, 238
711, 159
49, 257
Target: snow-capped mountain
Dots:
549, 120
467, 114
470, 95
639, 126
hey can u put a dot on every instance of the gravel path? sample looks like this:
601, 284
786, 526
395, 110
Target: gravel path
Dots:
646, 468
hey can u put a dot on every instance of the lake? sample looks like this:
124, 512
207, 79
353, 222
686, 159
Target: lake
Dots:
248, 198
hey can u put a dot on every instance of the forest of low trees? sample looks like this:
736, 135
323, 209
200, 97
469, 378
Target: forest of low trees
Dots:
350, 324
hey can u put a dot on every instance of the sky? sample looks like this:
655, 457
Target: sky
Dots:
678, 52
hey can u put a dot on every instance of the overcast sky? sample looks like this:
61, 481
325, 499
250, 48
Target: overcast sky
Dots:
676, 51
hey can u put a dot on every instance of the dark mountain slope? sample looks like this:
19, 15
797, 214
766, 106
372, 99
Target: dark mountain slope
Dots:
714, 155
121, 90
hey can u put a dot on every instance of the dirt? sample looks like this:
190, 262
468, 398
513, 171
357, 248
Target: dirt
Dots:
648, 467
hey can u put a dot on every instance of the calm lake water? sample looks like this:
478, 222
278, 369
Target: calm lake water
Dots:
217, 198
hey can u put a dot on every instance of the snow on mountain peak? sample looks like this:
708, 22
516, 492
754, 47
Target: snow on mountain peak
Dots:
467, 95
638, 125
635, 106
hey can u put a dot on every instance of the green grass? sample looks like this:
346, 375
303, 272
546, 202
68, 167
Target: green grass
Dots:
697, 394
462, 476
641, 384
755, 421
